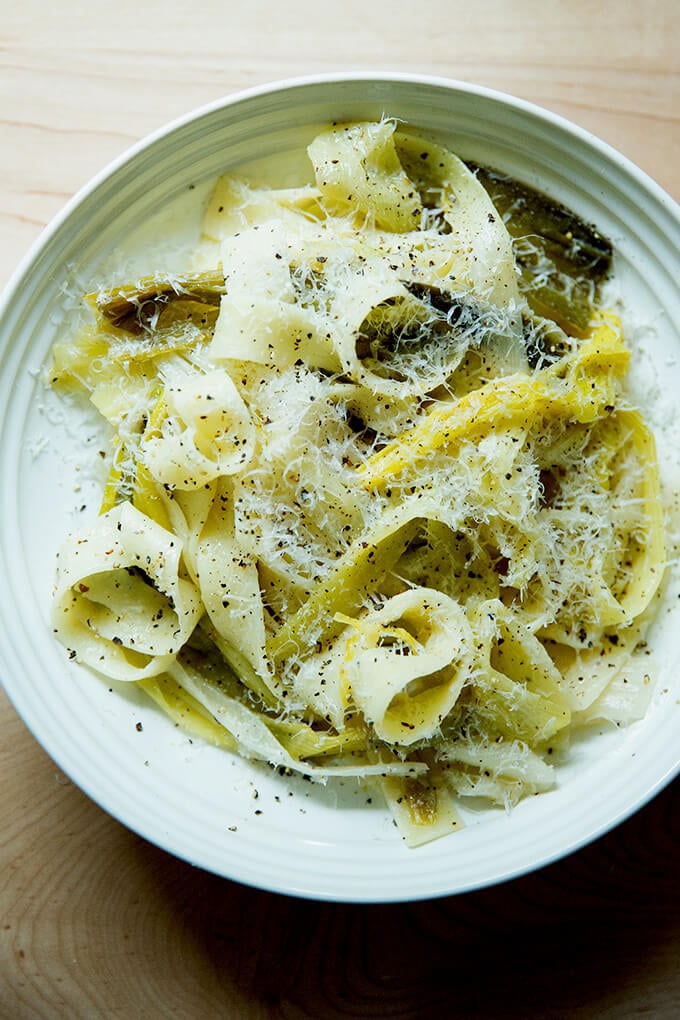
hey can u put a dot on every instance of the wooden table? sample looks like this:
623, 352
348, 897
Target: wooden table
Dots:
94, 922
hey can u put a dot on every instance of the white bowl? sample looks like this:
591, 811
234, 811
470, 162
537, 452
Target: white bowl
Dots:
197, 802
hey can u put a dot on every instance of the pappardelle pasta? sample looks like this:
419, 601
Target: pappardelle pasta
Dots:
377, 503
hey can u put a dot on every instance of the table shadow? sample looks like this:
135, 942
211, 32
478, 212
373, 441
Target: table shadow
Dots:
595, 934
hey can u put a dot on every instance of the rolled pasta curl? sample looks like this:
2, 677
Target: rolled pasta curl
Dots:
120, 604
407, 662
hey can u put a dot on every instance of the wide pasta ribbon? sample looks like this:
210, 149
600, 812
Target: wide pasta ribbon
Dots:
256, 737
207, 432
364, 283
579, 390
517, 687
228, 580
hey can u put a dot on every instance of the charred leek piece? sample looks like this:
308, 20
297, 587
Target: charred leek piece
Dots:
161, 302
563, 261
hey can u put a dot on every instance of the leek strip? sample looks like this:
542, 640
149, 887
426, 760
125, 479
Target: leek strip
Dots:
147, 498
520, 695
111, 494
357, 574
501, 770
145, 494
299, 739
185, 711
562, 260
302, 741
516, 712
132, 355
82, 362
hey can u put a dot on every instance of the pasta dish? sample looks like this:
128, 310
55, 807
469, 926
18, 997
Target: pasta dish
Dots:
377, 503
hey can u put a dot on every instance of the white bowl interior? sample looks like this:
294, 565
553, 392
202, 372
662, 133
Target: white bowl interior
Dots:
241, 820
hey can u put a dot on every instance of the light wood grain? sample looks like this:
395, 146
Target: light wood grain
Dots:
96, 923
77, 89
